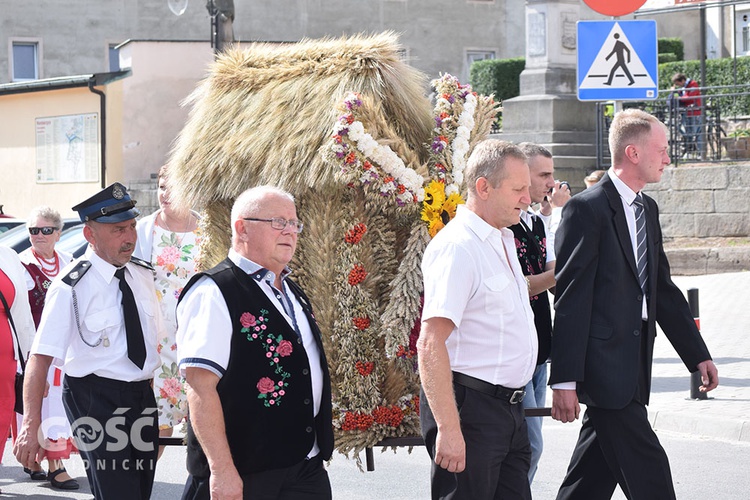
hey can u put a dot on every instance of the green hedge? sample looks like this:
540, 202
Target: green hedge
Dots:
665, 57
497, 76
671, 46
719, 72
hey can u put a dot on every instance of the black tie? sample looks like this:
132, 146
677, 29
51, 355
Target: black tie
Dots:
640, 239
136, 344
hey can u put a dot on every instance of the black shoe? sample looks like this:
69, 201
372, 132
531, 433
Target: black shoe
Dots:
36, 475
70, 484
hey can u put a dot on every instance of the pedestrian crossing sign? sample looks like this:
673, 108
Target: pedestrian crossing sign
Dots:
617, 60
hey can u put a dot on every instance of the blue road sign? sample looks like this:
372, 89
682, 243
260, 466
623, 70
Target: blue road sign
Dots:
617, 60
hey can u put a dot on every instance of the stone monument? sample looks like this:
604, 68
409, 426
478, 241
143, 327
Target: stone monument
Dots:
548, 111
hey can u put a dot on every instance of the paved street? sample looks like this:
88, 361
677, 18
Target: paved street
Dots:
708, 441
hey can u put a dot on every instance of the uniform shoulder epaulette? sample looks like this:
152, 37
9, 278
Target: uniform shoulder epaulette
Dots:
76, 273
142, 263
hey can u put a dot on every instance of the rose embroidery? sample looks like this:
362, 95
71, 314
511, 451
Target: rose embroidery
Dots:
276, 347
284, 349
247, 320
265, 385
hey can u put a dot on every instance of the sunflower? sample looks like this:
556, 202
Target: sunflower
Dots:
437, 211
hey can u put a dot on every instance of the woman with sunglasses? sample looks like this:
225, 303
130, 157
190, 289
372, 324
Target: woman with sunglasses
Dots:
169, 240
43, 263
12, 289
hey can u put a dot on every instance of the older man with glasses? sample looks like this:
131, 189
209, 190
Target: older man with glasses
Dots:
259, 388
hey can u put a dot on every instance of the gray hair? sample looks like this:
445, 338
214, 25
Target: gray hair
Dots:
47, 213
488, 161
249, 202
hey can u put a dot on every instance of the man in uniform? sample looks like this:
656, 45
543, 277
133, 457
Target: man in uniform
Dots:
252, 354
100, 321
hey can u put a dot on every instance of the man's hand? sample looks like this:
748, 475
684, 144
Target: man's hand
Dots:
709, 375
450, 450
560, 194
27, 448
225, 484
565, 407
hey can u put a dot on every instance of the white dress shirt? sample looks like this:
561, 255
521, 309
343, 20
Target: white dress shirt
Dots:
627, 196
471, 279
101, 322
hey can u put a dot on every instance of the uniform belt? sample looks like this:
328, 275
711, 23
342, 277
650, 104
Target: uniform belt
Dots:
512, 396
121, 385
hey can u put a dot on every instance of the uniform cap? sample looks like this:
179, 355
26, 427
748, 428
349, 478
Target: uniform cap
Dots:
110, 205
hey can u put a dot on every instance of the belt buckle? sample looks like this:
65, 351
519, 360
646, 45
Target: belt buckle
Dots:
517, 396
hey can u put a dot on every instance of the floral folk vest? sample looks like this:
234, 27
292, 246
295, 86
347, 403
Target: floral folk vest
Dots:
531, 247
266, 392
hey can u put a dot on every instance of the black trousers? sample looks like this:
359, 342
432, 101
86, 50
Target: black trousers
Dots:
307, 480
498, 455
617, 447
116, 431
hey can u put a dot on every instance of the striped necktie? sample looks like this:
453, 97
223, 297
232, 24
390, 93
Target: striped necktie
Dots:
640, 239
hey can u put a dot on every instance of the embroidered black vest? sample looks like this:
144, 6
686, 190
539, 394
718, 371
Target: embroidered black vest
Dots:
532, 254
266, 391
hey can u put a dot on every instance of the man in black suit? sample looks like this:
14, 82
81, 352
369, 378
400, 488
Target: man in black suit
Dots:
613, 285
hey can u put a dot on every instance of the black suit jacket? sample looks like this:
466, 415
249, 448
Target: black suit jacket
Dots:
596, 338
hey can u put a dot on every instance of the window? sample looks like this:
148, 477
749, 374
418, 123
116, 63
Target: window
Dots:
25, 61
114, 58
473, 55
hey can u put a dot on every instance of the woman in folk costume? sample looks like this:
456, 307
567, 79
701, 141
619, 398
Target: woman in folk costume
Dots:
169, 240
43, 263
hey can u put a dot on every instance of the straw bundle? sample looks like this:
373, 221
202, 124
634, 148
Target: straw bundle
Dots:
265, 115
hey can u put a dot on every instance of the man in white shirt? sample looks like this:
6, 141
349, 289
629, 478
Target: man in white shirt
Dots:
101, 321
259, 388
613, 286
478, 345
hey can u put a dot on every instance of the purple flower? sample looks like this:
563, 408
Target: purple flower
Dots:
438, 121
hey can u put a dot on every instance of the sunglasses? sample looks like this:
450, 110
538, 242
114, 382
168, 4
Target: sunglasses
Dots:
46, 231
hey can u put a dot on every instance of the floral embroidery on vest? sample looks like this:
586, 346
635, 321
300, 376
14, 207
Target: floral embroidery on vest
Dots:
269, 390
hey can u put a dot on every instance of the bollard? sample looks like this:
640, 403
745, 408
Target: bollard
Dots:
695, 377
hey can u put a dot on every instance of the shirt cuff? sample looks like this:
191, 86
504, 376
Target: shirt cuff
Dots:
565, 386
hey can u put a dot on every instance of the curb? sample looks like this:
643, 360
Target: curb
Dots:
708, 260
726, 429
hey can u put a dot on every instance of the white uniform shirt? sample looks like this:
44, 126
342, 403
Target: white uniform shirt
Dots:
100, 315
204, 328
472, 277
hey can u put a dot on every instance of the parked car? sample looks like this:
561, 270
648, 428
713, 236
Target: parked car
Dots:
73, 241
17, 238
8, 223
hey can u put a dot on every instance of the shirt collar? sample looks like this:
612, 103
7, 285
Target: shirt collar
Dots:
476, 224
104, 268
624, 191
256, 271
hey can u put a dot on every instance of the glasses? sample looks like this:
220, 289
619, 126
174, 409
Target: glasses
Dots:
280, 223
46, 230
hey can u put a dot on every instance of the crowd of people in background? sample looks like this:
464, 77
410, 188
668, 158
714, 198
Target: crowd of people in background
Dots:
131, 330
